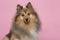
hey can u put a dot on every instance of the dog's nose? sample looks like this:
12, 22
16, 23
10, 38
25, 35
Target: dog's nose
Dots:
26, 20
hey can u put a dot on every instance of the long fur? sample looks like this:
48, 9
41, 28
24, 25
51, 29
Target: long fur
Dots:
22, 31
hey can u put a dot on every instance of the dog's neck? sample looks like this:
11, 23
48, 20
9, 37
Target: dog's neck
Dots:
21, 32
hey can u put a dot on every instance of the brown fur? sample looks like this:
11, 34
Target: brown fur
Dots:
20, 29
21, 22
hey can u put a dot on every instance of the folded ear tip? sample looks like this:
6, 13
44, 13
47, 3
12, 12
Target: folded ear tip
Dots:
18, 5
29, 5
29, 2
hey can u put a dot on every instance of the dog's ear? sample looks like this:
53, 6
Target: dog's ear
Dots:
19, 7
29, 5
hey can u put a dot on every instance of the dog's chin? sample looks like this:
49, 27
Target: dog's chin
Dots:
26, 23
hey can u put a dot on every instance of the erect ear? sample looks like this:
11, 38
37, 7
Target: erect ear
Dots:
29, 5
19, 7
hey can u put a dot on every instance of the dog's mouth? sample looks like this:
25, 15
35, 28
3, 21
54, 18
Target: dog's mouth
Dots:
26, 20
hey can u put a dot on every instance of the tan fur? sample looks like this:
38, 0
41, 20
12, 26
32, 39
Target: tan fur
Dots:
28, 30
32, 19
14, 36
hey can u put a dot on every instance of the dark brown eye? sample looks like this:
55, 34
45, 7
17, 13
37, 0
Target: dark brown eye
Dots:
28, 13
22, 14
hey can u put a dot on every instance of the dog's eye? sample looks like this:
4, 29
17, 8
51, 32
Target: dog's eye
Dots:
22, 14
28, 13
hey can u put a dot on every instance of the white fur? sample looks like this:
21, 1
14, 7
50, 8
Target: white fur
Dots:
5, 38
16, 39
33, 33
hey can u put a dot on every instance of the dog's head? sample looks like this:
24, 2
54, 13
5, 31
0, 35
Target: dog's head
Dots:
26, 17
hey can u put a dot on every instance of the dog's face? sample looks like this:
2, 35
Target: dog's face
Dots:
26, 18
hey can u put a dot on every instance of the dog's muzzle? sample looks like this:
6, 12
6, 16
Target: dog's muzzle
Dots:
26, 20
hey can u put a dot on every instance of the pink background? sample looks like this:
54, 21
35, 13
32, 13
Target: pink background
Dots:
48, 10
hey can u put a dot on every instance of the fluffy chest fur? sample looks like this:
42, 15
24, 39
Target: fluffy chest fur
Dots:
32, 36
25, 25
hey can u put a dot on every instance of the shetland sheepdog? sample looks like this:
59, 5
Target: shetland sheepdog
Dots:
26, 24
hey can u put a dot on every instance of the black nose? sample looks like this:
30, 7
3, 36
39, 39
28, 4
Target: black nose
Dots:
26, 19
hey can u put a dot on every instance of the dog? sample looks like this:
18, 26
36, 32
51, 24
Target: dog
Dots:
26, 24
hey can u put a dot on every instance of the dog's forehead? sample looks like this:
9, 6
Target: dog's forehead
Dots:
25, 10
